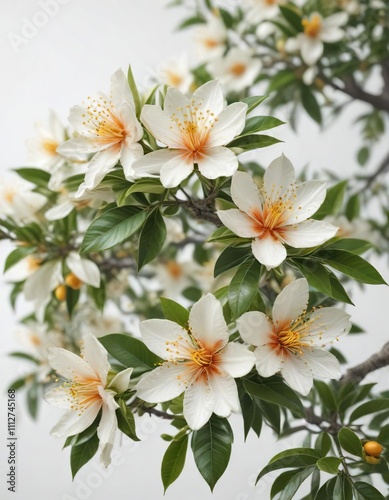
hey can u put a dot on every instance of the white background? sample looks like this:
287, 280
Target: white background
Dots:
68, 57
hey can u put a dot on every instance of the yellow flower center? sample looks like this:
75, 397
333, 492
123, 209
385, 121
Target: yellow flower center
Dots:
9, 195
35, 340
210, 43
312, 26
173, 79
238, 69
33, 263
102, 122
201, 357
270, 2
83, 392
291, 340
50, 146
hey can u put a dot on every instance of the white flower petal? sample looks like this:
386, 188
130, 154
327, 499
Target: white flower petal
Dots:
86, 270
160, 334
160, 125
150, 165
236, 360
96, 355
255, 328
331, 35
309, 233
121, 381
199, 402
269, 251
245, 192
279, 180
78, 148
327, 324
322, 363
176, 170
268, 362
163, 384
21, 270
68, 364
59, 211
307, 199
128, 155
59, 396
120, 90
175, 103
230, 123
107, 428
297, 374
39, 285
290, 303
207, 322
335, 20
225, 394
73, 422
217, 162
209, 97
98, 167
238, 222
311, 50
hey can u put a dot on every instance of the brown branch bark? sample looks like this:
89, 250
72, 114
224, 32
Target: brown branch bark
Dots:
383, 167
203, 209
357, 373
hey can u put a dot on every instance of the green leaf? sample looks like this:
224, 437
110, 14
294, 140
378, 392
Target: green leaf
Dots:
295, 483
369, 407
146, 186
126, 421
259, 124
254, 101
296, 457
190, 22
326, 395
227, 18
353, 207
310, 104
112, 228
273, 391
229, 258
248, 409
323, 443
282, 481
244, 287
82, 453
333, 201
72, 297
352, 265
25, 356
33, 398
38, 177
322, 279
211, 447
17, 255
250, 142
174, 311
350, 442
173, 461
152, 238
367, 492
134, 91
281, 79
363, 156
329, 464
130, 352
223, 234
291, 15
350, 245
83, 436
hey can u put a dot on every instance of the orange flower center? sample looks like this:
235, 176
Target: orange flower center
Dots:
173, 79
50, 146
103, 122
83, 392
174, 269
238, 69
210, 43
312, 26
202, 357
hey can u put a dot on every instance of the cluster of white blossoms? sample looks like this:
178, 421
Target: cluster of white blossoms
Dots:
201, 362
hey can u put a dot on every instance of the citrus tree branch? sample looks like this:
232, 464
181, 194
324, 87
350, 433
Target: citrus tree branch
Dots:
357, 373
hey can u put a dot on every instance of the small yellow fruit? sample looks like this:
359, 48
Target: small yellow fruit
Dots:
372, 460
60, 293
73, 282
373, 448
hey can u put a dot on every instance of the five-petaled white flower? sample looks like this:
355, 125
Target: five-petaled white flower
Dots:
19, 201
316, 31
86, 392
277, 213
293, 341
211, 38
107, 127
199, 361
196, 131
237, 70
262, 10
176, 73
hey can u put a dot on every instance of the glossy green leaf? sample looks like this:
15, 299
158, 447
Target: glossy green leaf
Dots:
130, 352
291, 14
350, 245
282, 481
16, 256
146, 186
367, 492
126, 421
211, 447
254, 101
134, 91
231, 257
174, 460
257, 124
191, 21
276, 392
329, 464
310, 104
35, 175
244, 287
363, 155
333, 201
112, 228
370, 407
282, 79
82, 453
250, 142
295, 457
323, 443
350, 442
174, 311
152, 238
295, 482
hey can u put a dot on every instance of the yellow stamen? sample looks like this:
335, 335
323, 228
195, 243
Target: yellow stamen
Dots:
201, 357
50, 146
312, 26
